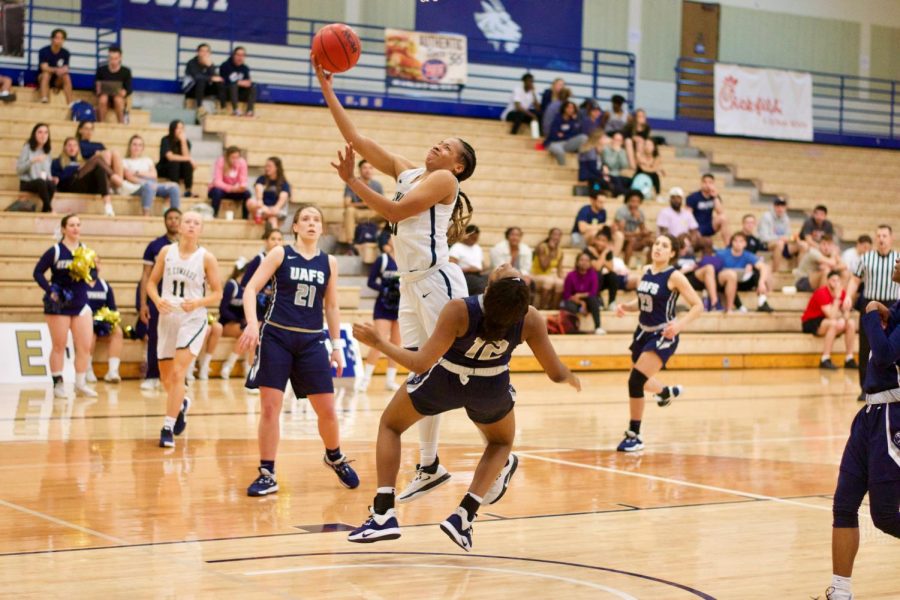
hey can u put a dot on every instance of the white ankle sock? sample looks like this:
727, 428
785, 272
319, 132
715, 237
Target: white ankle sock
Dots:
391, 373
849, 356
428, 439
761, 299
114, 365
386, 490
80, 379
204, 360
169, 422
826, 357
369, 370
233, 358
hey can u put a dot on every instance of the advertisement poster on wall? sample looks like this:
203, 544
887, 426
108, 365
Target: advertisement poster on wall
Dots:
425, 60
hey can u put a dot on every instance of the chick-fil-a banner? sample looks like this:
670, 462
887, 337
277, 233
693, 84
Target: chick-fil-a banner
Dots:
244, 20
763, 103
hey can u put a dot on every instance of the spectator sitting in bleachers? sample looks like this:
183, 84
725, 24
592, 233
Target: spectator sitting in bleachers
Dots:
649, 162
175, 162
636, 132
851, 255
676, 220
631, 224
549, 114
34, 166
552, 93
201, 79
523, 107
6, 93
818, 262
100, 295
743, 271
748, 228
615, 158
112, 84
617, 117
74, 174
272, 194
824, 317
467, 253
84, 133
236, 77
816, 226
591, 117
580, 291
566, 134
701, 275
775, 233
231, 314
590, 218
141, 178
355, 210
230, 180
708, 209
53, 61
547, 270
603, 262
513, 251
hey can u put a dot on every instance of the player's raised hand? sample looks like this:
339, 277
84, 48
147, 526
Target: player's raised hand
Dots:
323, 76
366, 333
345, 166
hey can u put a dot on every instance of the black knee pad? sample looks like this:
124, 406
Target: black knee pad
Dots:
636, 383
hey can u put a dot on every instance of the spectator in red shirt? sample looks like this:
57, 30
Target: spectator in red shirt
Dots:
825, 317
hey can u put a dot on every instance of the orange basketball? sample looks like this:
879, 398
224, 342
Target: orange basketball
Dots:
337, 47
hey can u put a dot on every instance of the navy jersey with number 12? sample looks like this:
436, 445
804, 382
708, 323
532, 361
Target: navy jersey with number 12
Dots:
470, 350
299, 291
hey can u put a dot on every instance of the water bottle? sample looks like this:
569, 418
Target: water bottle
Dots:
21, 78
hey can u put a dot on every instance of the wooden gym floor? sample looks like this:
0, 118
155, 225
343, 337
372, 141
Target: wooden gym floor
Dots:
731, 498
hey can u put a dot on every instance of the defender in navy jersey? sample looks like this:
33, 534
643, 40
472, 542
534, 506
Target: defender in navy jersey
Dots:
66, 308
656, 337
464, 364
100, 295
428, 213
290, 344
871, 460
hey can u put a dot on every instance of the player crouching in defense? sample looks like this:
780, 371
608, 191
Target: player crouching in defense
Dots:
656, 336
871, 461
464, 363
187, 271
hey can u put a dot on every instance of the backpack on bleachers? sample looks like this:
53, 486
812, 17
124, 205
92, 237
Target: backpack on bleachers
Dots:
365, 233
83, 111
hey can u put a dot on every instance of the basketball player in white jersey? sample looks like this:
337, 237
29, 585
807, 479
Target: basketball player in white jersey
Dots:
428, 213
190, 284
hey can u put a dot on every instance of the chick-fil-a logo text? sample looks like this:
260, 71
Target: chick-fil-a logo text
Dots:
729, 100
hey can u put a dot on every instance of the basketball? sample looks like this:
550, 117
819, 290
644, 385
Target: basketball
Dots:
337, 47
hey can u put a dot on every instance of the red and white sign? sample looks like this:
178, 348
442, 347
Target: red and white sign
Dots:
763, 103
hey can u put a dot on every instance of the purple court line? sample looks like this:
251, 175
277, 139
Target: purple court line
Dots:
680, 586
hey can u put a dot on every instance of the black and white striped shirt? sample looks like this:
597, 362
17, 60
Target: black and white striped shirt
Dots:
876, 270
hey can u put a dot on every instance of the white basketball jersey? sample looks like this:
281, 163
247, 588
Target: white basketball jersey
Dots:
420, 242
184, 278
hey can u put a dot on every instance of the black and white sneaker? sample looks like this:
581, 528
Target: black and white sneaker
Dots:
459, 529
166, 439
668, 394
498, 488
264, 485
181, 420
827, 365
424, 483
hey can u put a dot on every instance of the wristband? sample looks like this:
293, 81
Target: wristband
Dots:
338, 344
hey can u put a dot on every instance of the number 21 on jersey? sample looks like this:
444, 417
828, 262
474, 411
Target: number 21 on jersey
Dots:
482, 350
645, 301
305, 295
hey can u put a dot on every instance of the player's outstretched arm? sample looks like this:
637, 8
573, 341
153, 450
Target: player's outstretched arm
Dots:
534, 333
380, 158
452, 323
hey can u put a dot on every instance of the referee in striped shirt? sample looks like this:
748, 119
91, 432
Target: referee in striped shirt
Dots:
874, 270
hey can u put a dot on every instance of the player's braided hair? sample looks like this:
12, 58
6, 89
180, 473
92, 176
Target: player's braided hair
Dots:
462, 209
505, 304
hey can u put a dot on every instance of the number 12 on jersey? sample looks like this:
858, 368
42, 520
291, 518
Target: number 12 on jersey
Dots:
482, 350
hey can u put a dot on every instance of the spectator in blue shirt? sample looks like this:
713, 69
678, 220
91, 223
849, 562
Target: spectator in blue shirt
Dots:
78, 176
238, 85
743, 271
708, 210
566, 133
590, 219
84, 133
272, 193
53, 67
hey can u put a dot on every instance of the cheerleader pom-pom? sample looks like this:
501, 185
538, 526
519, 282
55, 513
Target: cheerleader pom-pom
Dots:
102, 328
104, 315
63, 299
210, 319
84, 260
129, 332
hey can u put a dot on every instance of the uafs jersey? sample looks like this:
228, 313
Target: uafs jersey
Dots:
299, 286
655, 300
184, 278
420, 241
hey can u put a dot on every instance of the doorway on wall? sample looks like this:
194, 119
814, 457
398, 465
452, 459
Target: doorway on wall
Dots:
699, 41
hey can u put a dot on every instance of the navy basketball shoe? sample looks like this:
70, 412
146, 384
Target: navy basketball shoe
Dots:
181, 421
459, 529
166, 439
376, 528
498, 488
346, 475
264, 485
631, 443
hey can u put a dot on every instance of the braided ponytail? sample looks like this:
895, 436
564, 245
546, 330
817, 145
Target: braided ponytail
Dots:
462, 209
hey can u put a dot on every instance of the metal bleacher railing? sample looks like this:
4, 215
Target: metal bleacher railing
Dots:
285, 74
843, 105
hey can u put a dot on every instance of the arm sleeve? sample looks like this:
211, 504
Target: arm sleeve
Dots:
885, 348
110, 297
44, 263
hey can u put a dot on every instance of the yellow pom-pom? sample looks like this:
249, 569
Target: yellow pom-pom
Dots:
108, 316
210, 318
83, 262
